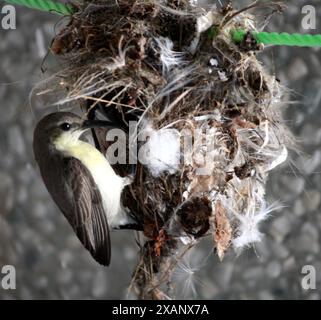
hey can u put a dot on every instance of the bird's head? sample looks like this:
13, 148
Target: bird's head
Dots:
61, 129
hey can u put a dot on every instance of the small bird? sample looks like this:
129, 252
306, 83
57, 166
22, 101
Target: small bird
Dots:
80, 180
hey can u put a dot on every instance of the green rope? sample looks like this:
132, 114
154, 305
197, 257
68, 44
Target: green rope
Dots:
281, 39
44, 5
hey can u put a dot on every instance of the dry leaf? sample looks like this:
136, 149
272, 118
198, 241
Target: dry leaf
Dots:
223, 230
160, 241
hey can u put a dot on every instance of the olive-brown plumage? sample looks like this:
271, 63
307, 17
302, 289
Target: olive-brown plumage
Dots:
71, 184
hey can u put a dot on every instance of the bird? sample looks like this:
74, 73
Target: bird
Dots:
81, 181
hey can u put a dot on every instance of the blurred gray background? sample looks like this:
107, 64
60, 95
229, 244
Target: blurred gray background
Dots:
50, 262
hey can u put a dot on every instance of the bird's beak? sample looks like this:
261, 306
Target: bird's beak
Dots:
88, 124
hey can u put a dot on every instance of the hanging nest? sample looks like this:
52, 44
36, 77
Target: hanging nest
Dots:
205, 114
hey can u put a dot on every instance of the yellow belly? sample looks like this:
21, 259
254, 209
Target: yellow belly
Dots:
108, 182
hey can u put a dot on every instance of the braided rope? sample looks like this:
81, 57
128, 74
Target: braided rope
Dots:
281, 39
44, 5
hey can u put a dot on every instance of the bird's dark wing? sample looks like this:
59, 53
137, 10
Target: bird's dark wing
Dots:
88, 217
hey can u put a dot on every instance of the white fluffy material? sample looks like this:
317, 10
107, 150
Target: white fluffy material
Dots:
168, 56
248, 229
204, 22
249, 223
279, 159
161, 152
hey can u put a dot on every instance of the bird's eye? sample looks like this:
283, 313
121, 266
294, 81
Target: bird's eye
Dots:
65, 126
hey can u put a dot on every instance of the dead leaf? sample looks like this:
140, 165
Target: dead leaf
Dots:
223, 230
160, 241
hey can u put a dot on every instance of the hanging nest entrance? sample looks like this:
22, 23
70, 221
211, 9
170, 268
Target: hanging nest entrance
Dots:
210, 116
